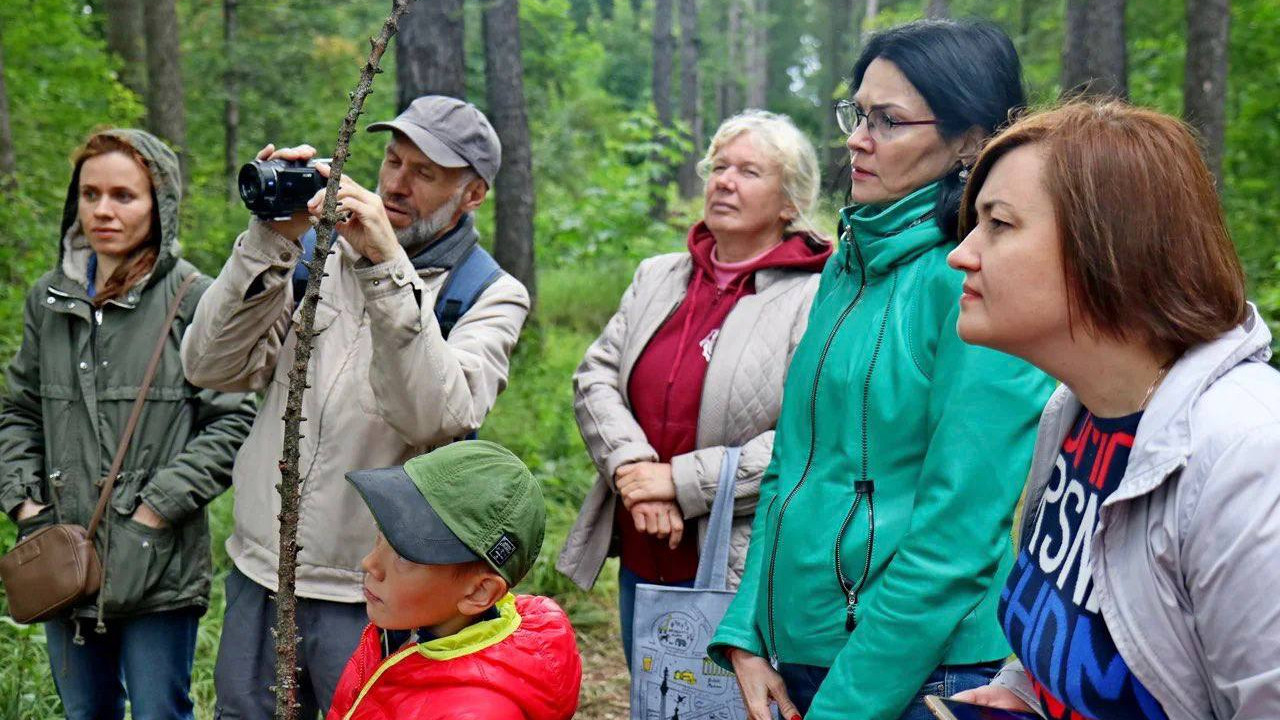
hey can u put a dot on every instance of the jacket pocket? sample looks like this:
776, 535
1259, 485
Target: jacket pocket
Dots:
853, 580
46, 517
142, 563
142, 567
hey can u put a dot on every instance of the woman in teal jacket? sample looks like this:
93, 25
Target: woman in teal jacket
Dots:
900, 451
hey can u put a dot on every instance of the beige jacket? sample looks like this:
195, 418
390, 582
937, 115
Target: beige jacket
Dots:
385, 386
741, 397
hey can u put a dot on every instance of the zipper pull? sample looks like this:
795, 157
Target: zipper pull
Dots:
864, 487
850, 614
97, 316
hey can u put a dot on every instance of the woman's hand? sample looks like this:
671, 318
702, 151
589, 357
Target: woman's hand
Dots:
660, 518
144, 515
28, 509
760, 684
992, 696
642, 481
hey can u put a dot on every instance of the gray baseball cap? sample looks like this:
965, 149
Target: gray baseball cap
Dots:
452, 132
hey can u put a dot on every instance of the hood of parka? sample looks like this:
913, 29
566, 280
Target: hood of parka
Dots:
166, 193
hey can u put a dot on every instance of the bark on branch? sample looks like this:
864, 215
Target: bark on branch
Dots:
290, 486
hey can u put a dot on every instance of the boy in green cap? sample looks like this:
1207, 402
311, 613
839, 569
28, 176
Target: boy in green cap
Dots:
458, 527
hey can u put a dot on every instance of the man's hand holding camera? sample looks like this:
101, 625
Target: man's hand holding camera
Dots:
363, 219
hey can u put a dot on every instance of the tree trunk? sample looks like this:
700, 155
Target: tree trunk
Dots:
840, 43
8, 163
504, 79
166, 113
1025, 11
1204, 91
938, 9
231, 109
757, 54
730, 94
869, 19
690, 97
429, 52
663, 47
1094, 59
125, 38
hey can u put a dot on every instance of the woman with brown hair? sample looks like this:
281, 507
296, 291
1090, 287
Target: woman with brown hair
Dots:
1146, 580
91, 325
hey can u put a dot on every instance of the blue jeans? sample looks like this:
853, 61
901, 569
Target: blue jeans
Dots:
627, 582
146, 658
802, 683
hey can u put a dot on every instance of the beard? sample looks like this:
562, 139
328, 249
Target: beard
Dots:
423, 231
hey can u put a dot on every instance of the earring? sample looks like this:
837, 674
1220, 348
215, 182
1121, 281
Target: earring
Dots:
964, 173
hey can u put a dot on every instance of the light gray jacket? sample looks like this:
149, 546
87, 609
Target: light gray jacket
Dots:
741, 397
1186, 555
385, 386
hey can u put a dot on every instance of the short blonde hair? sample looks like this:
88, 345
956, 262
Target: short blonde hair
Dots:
781, 141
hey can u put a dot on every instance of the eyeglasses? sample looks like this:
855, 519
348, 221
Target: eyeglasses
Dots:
880, 126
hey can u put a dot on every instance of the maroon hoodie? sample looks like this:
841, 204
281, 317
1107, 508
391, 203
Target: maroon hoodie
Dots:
665, 389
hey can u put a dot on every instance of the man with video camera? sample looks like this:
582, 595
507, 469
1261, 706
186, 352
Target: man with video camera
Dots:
415, 328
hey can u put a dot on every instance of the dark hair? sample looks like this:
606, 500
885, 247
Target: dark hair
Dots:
1145, 249
969, 74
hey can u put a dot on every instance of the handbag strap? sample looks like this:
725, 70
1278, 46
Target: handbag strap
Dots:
713, 562
136, 413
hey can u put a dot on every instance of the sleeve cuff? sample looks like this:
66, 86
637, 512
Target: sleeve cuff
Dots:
269, 246
627, 453
690, 495
1012, 678
387, 278
720, 645
160, 502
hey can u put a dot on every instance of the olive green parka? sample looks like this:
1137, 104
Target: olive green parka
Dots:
70, 391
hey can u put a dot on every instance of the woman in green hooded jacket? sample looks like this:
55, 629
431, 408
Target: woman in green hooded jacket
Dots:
885, 514
90, 327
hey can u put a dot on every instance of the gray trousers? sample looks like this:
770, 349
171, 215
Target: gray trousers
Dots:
246, 666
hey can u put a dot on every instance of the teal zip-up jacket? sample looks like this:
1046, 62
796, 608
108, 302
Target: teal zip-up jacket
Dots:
883, 537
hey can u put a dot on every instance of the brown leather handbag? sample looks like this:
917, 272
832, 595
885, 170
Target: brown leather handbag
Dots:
57, 567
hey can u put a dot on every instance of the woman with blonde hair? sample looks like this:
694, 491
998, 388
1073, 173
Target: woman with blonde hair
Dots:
693, 362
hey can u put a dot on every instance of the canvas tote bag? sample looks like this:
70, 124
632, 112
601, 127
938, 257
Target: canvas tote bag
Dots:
671, 675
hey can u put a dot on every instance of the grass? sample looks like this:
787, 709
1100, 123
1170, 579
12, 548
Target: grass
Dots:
534, 417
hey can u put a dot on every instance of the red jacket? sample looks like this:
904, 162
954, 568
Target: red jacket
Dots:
524, 665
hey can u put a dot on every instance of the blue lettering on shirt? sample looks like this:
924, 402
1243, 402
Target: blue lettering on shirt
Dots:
1048, 608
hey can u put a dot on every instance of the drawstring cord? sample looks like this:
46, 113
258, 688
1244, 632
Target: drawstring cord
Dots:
101, 627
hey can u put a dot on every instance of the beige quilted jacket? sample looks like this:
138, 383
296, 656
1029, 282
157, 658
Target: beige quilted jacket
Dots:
740, 401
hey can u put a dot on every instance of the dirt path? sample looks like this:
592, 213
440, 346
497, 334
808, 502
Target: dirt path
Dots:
605, 683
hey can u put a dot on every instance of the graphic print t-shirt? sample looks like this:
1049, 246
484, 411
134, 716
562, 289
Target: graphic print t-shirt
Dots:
1049, 607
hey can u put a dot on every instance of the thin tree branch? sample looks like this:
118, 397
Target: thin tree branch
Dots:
290, 486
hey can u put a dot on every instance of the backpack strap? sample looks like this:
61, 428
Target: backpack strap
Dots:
467, 281
300, 272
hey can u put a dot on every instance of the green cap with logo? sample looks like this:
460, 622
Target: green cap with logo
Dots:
470, 500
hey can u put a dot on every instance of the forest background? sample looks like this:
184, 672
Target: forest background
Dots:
603, 105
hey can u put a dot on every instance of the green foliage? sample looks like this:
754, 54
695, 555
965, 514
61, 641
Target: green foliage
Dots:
597, 153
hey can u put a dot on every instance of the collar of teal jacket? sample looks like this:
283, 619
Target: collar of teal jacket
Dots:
890, 234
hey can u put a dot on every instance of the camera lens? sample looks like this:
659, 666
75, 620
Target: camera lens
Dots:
250, 182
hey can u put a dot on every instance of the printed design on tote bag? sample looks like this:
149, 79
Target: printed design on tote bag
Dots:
679, 681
